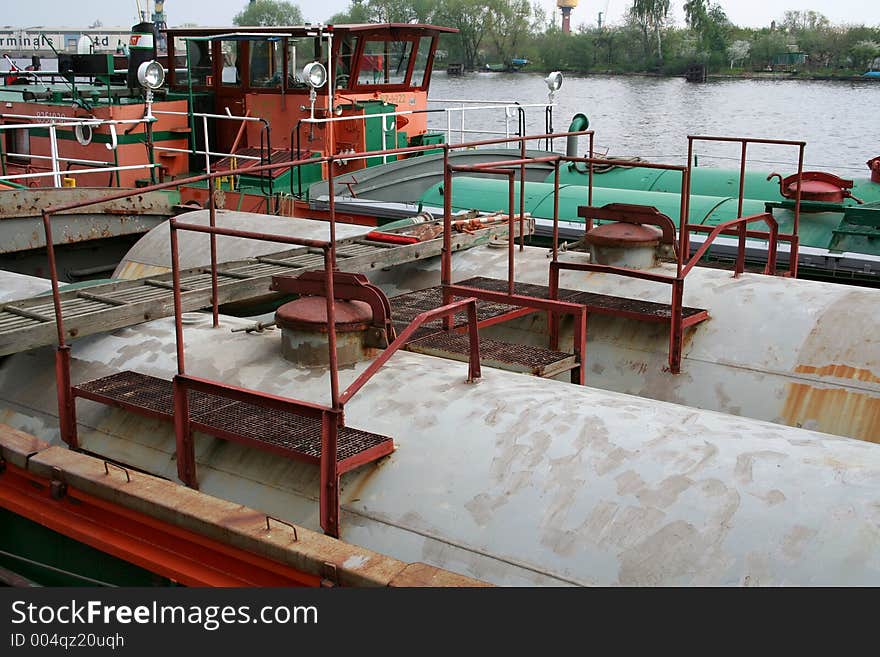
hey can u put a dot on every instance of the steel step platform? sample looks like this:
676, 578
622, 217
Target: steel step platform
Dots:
604, 304
526, 359
282, 433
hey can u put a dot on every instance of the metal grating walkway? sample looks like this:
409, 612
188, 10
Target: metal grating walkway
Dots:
283, 433
606, 304
495, 353
431, 339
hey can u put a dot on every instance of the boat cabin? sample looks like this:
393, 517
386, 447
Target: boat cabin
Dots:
370, 70
231, 97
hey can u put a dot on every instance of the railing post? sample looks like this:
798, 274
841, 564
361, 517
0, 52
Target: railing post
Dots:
212, 211
53, 151
331, 191
590, 193
446, 259
511, 225
331, 330
684, 246
795, 242
579, 374
185, 447
207, 145
676, 328
474, 371
178, 304
522, 196
552, 316
329, 495
66, 400
741, 245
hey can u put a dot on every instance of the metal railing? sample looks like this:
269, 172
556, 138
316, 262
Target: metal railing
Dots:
54, 169
331, 415
512, 109
684, 262
265, 149
742, 230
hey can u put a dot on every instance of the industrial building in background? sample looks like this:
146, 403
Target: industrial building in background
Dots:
41, 41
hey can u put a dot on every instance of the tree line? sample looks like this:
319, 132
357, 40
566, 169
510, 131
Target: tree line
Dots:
495, 31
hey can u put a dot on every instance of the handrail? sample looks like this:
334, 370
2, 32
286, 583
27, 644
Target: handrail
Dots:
403, 338
686, 227
772, 235
52, 126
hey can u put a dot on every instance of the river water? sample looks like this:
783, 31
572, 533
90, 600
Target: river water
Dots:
652, 117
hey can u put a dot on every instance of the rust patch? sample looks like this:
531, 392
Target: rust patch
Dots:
839, 372
833, 410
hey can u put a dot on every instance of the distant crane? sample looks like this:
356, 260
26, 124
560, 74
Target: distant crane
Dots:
160, 23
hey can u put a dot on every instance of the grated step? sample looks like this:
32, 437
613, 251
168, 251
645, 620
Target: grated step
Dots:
527, 359
272, 430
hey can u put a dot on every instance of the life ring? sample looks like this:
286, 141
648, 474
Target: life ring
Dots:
83, 133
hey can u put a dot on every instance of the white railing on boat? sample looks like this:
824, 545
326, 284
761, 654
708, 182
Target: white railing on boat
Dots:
207, 152
52, 125
511, 110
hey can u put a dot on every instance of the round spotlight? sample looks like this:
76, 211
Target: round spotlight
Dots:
554, 81
315, 74
151, 75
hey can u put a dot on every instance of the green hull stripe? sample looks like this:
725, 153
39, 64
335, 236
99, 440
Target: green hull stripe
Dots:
138, 138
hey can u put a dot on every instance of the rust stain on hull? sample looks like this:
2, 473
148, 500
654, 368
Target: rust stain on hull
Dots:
833, 410
839, 372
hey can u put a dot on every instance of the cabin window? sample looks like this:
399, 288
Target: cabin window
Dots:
385, 62
231, 75
345, 61
421, 64
266, 63
200, 65
18, 145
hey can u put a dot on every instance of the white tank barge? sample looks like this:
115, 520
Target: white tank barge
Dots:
512, 480
796, 352
508, 478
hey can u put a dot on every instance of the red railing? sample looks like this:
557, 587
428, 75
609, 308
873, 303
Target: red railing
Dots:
684, 262
331, 415
741, 231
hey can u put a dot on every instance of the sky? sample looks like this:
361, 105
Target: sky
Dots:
58, 13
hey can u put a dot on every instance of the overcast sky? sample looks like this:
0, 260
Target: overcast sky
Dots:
57, 13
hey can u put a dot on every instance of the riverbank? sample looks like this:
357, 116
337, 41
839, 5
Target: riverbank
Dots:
738, 75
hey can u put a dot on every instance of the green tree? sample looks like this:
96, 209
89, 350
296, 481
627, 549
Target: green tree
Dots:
510, 22
471, 17
269, 12
357, 13
387, 11
651, 15
864, 53
800, 21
